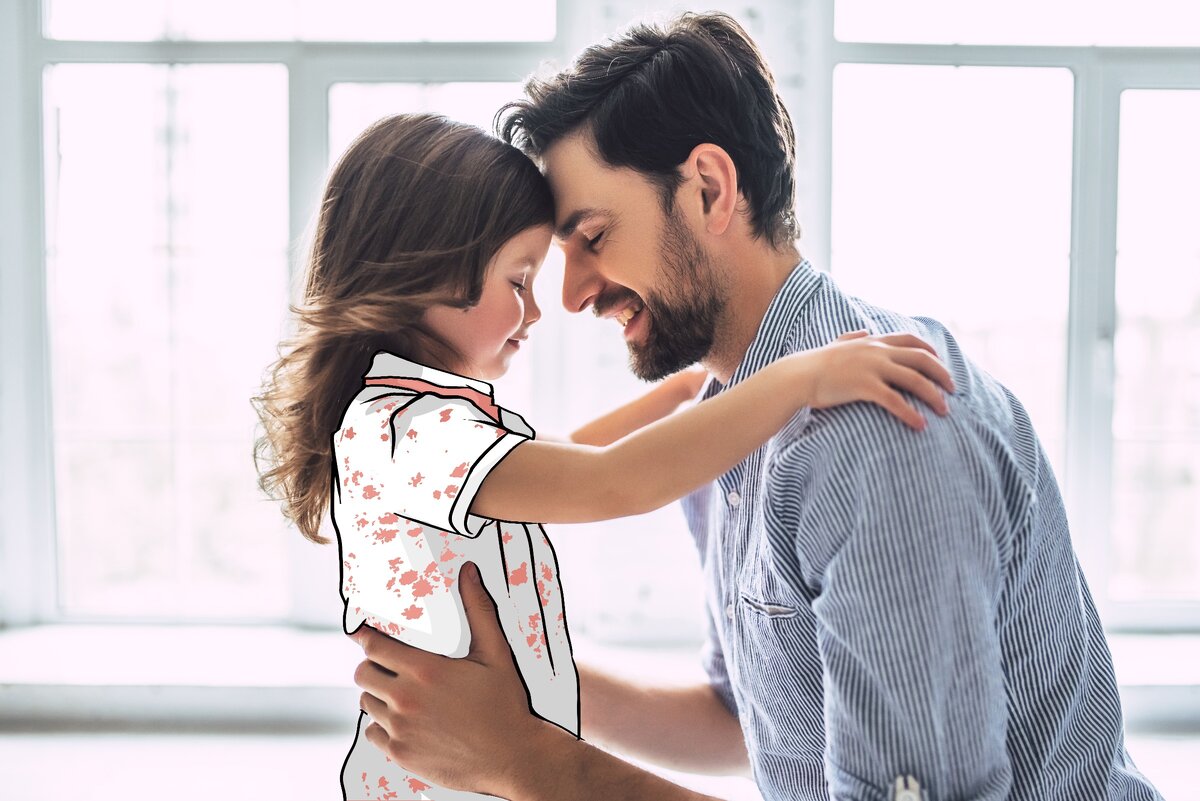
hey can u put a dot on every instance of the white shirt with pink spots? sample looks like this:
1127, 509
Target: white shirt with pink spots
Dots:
413, 449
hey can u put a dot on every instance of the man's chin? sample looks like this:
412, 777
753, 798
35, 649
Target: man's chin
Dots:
648, 366
653, 358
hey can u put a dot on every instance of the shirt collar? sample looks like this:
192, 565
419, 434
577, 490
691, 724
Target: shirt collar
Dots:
777, 323
389, 365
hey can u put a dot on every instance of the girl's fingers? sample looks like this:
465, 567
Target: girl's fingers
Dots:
917, 384
928, 365
907, 341
894, 402
859, 334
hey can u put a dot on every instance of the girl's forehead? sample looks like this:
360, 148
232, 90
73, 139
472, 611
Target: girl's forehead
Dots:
527, 249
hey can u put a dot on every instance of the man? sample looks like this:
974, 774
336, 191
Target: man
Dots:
889, 611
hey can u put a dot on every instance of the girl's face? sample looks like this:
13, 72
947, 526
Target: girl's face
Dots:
489, 333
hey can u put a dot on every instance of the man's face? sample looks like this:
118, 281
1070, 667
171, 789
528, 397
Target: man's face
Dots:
632, 262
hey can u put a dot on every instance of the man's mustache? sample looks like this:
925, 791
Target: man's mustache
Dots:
606, 303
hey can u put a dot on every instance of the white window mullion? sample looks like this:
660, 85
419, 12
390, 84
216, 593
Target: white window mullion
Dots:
313, 574
308, 132
1090, 323
27, 531
804, 75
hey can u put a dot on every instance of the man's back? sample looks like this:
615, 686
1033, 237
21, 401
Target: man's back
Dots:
887, 602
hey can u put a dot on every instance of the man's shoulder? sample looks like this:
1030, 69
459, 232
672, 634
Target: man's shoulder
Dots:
854, 431
849, 455
851, 434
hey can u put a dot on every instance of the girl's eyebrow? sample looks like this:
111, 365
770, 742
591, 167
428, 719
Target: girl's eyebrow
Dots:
528, 264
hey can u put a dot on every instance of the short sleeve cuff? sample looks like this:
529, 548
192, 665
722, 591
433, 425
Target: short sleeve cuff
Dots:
471, 525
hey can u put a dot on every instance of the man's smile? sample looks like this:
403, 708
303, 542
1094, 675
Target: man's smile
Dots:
623, 310
628, 313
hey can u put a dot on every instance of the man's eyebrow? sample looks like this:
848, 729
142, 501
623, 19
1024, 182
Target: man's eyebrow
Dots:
573, 220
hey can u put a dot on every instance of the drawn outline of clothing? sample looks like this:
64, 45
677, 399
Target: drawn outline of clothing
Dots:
413, 449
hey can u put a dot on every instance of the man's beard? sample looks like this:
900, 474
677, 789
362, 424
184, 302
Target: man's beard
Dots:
684, 318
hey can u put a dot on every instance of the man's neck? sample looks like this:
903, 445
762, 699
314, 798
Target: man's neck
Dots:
754, 282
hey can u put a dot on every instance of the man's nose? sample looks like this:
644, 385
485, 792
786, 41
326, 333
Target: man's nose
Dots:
581, 284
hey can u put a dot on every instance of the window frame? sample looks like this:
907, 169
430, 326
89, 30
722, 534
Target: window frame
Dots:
1101, 74
805, 75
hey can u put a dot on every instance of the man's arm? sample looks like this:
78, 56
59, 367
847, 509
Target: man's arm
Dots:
907, 629
680, 728
563, 767
651, 407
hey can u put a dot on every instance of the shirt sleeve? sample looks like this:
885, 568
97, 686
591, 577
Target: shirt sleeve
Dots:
907, 629
442, 449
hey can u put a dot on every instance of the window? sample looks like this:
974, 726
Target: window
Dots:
1039, 199
181, 148
166, 221
952, 199
176, 149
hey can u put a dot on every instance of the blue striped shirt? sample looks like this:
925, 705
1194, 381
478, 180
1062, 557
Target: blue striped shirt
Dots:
884, 602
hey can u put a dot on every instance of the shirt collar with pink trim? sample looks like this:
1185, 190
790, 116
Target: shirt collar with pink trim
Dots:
389, 365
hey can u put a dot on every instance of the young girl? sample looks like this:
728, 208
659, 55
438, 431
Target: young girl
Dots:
418, 292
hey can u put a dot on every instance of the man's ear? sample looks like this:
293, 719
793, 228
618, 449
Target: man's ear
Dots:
715, 183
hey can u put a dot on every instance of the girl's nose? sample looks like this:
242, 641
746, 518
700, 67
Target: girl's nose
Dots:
533, 312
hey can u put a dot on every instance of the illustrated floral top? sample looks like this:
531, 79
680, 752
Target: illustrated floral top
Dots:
413, 449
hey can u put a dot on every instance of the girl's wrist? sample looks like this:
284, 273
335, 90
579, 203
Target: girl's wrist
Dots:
802, 379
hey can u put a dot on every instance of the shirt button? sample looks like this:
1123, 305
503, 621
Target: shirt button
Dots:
729, 611
735, 500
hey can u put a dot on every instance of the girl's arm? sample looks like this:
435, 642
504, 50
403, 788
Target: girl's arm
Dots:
565, 483
637, 414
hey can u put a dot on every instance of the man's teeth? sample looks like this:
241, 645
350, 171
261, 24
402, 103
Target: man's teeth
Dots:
627, 314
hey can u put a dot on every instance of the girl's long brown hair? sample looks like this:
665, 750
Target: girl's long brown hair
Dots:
411, 216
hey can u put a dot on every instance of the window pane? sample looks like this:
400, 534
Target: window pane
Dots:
1156, 404
306, 20
1150, 23
166, 264
952, 199
354, 106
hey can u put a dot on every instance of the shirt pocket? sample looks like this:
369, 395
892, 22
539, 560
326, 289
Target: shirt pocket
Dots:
777, 676
770, 609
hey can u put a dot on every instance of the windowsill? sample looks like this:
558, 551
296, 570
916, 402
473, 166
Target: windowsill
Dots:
284, 676
261, 676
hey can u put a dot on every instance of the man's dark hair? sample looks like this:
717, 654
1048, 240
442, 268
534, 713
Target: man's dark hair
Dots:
654, 93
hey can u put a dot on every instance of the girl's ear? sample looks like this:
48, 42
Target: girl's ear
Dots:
714, 177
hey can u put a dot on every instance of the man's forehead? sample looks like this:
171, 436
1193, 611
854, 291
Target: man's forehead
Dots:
573, 166
581, 182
